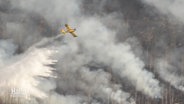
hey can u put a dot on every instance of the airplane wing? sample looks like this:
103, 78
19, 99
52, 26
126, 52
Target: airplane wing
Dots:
73, 34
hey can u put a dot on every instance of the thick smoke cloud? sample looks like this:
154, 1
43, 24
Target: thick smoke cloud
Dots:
95, 67
55, 12
171, 8
170, 65
169, 74
102, 90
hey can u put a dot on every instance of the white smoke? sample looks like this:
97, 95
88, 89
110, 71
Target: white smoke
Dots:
55, 11
60, 99
173, 8
78, 82
98, 46
167, 72
169, 68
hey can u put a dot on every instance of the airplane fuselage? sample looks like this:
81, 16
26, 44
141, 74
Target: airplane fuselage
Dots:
71, 30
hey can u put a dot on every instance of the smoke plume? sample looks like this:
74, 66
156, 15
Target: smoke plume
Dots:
124, 49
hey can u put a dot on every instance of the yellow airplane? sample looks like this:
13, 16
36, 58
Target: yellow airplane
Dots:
69, 30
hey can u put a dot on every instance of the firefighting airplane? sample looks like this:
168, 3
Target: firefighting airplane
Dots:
69, 30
